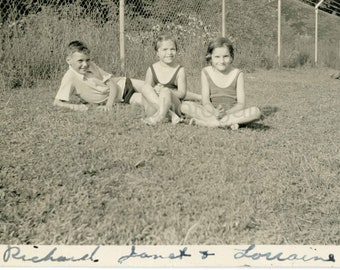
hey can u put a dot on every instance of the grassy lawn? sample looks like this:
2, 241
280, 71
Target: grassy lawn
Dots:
106, 178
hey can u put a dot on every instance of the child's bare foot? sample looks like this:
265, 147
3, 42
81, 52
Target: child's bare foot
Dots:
153, 120
149, 121
226, 124
234, 126
192, 122
175, 119
224, 121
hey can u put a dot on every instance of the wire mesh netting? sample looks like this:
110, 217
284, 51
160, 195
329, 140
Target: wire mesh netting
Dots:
35, 33
298, 34
193, 23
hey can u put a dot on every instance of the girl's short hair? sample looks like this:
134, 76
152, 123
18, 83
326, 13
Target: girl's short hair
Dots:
77, 46
218, 43
164, 37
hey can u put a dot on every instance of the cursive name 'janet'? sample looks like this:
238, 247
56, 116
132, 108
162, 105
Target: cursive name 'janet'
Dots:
269, 256
144, 255
15, 253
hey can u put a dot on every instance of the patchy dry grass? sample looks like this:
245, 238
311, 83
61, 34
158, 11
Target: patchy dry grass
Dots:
95, 178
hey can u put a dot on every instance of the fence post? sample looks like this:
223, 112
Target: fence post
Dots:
279, 33
121, 36
316, 31
223, 18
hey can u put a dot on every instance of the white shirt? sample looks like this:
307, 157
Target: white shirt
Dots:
91, 87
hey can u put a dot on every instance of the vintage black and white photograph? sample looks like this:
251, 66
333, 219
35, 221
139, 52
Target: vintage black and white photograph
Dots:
169, 122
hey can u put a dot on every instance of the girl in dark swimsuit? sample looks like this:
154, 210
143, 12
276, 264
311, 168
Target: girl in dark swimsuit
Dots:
168, 79
223, 96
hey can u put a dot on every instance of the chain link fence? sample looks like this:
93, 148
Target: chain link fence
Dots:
193, 23
298, 36
34, 35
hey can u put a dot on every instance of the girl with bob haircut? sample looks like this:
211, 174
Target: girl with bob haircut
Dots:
223, 95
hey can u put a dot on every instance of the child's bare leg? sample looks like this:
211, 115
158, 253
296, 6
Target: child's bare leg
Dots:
192, 96
175, 119
241, 117
164, 107
147, 91
199, 114
175, 109
138, 98
175, 103
164, 104
155, 106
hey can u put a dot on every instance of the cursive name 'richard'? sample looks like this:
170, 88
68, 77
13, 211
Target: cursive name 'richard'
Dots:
15, 253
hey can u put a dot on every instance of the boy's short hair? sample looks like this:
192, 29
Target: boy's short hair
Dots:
164, 37
77, 46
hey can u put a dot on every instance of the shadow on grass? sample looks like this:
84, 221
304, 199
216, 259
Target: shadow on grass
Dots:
268, 110
256, 126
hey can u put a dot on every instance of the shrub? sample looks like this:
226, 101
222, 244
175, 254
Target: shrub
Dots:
297, 59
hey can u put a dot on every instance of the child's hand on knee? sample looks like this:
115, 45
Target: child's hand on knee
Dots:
219, 112
158, 88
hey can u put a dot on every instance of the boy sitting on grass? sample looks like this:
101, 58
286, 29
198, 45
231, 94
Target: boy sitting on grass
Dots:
95, 86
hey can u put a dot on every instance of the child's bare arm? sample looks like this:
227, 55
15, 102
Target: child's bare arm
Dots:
66, 104
112, 95
181, 85
149, 77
